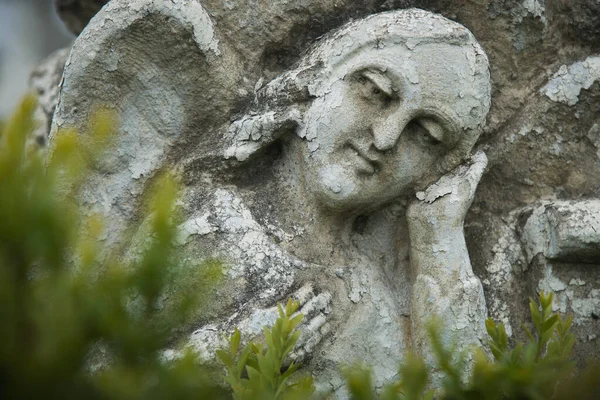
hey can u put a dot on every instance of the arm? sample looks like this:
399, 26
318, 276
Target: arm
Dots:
444, 286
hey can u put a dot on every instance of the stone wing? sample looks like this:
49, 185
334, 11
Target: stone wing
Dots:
171, 80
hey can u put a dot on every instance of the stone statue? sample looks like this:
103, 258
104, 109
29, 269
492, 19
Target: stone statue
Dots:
344, 183
376, 111
333, 162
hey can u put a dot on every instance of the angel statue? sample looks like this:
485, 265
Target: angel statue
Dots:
343, 182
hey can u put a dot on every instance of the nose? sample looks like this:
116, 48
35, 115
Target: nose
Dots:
387, 129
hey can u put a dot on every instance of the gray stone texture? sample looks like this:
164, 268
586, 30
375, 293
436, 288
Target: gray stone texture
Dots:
285, 121
44, 81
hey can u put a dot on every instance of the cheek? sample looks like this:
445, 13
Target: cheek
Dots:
348, 115
335, 119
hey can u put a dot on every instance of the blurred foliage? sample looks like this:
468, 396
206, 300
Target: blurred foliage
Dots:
259, 372
77, 321
539, 369
64, 298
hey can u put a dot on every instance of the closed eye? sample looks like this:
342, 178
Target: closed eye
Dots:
375, 87
426, 131
434, 129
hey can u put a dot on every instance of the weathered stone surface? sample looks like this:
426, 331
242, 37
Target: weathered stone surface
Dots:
567, 82
45, 82
250, 102
564, 230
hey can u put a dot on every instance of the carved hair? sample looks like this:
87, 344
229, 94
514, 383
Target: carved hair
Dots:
281, 104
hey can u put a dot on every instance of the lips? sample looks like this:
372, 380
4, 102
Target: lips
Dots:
368, 162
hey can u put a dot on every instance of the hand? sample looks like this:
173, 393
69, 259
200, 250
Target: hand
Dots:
448, 200
314, 327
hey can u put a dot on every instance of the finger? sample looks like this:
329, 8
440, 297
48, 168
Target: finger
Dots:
304, 294
297, 356
319, 329
312, 342
315, 323
325, 329
310, 329
317, 304
470, 173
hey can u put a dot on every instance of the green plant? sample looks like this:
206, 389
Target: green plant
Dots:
65, 310
412, 384
538, 369
259, 372
75, 324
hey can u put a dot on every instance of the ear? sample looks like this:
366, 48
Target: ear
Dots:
163, 68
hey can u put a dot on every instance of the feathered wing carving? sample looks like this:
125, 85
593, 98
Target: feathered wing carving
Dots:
163, 68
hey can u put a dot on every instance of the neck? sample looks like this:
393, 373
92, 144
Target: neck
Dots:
324, 235
327, 236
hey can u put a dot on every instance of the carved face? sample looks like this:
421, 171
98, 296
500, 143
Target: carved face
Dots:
384, 121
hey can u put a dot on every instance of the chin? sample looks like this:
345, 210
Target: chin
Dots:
350, 202
336, 190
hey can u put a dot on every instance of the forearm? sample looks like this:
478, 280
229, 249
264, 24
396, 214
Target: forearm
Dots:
444, 287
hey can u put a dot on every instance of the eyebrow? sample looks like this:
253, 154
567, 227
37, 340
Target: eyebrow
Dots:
380, 80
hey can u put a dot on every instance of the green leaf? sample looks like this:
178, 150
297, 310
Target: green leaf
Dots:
528, 333
359, 384
502, 336
243, 360
291, 307
266, 368
295, 321
292, 340
544, 339
546, 302
285, 377
568, 345
496, 351
516, 354
269, 339
253, 362
274, 338
256, 347
234, 342
392, 391
225, 358
264, 365
301, 390
530, 353
568, 323
414, 377
253, 374
499, 340
535, 314
429, 395
549, 323
291, 369
490, 327
288, 308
